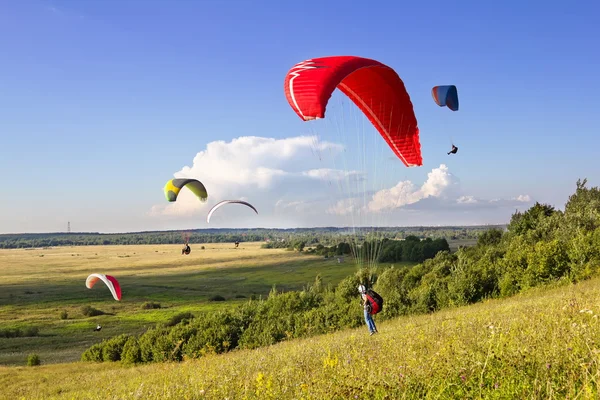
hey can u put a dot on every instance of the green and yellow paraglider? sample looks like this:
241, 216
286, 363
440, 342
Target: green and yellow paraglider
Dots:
174, 186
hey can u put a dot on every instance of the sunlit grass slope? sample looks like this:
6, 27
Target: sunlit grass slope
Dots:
37, 285
543, 344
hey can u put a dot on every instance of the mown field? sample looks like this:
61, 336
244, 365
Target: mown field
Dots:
541, 344
37, 285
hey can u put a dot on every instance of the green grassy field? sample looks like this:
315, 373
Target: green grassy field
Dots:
541, 344
455, 244
36, 285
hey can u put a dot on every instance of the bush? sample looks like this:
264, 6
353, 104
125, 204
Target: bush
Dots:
490, 237
147, 342
390, 287
112, 348
158, 345
150, 305
217, 298
176, 319
10, 333
29, 331
90, 311
219, 332
33, 360
94, 353
64, 314
107, 350
275, 319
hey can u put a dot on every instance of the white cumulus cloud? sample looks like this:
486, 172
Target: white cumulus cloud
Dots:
525, 198
467, 200
250, 167
288, 183
440, 183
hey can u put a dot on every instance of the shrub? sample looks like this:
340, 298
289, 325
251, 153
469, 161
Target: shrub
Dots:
112, 349
150, 305
33, 360
147, 343
29, 331
10, 333
64, 314
217, 298
90, 311
94, 353
176, 319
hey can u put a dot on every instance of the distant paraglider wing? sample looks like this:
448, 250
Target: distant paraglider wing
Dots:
222, 203
374, 87
173, 187
111, 282
446, 96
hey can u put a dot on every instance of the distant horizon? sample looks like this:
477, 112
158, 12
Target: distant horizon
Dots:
255, 228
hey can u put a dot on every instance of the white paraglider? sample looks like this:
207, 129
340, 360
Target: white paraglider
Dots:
222, 203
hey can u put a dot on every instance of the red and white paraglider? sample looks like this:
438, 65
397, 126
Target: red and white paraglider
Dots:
110, 281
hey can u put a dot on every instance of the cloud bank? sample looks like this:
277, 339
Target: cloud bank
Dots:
292, 187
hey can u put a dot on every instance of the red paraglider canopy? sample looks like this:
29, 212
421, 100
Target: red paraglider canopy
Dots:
374, 87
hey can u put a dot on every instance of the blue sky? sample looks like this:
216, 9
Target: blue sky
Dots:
103, 101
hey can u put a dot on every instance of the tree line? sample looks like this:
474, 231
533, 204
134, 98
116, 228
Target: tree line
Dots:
411, 248
325, 236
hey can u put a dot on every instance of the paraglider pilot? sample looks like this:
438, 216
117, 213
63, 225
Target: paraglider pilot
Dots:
454, 150
367, 310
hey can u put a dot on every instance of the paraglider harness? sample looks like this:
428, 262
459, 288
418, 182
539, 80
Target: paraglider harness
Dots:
375, 302
454, 150
186, 247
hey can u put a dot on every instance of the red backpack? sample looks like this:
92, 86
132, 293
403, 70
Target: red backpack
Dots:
375, 300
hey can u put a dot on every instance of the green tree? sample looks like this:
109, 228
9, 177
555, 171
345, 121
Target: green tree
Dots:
520, 223
582, 210
490, 237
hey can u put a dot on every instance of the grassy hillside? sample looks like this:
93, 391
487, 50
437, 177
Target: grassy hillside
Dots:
540, 344
38, 284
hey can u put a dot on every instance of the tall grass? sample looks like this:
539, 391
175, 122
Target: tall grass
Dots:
541, 344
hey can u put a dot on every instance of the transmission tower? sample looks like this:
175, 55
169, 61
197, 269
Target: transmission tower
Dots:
69, 227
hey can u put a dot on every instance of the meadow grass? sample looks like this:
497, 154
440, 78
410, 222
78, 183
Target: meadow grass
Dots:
540, 344
456, 243
36, 285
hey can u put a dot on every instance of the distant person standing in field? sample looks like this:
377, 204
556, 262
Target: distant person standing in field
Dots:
367, 308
